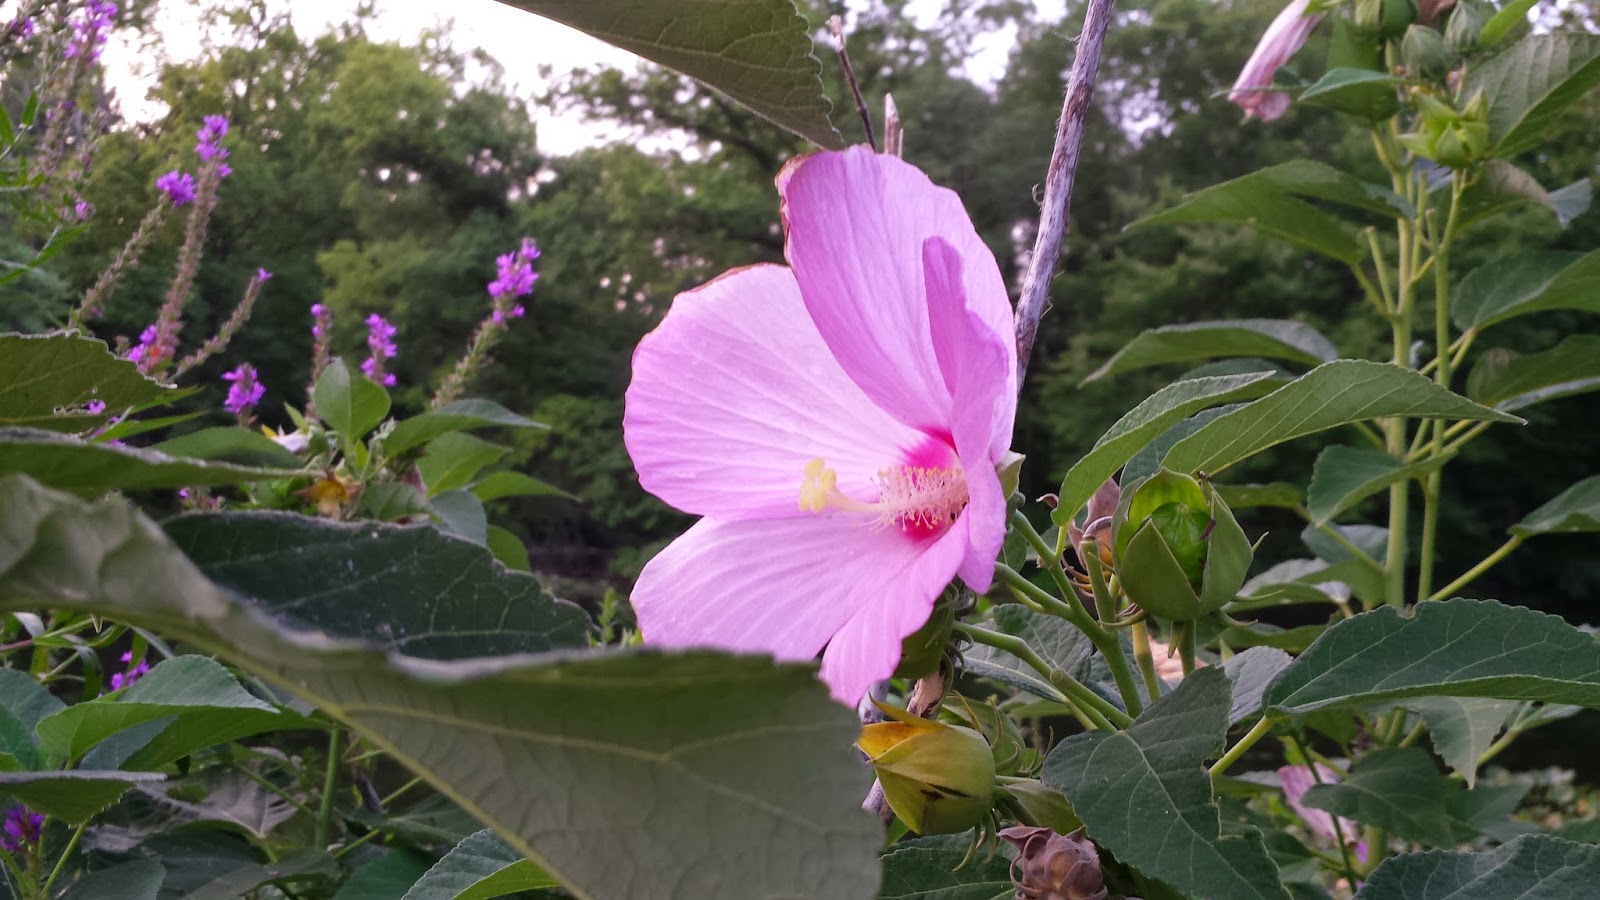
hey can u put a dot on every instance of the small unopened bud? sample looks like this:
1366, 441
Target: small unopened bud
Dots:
1424, 53
938, 778
1054, 866
1466, 23
1179, 550
1386, 18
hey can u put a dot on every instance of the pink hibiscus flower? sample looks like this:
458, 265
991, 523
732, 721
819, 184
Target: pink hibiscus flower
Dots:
837, 423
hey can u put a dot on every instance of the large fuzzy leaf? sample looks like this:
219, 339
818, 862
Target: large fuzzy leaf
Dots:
1283, 339
48, 380
1532, 867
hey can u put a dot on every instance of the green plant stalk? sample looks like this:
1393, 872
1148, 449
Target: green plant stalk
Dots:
1394, 428
1110, 644
1142, 657
1186, 647
61, 861
1098, 712
330, 783
1433, 483
1338, 830
1484, 565
1256, 733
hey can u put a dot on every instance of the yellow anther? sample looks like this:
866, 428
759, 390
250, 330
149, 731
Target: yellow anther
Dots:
819, 485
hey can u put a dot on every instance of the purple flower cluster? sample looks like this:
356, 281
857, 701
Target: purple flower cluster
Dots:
210, 144
95, 407
380, 343
320, 321
244, 391
147, 354
89, 31
178, 186
514, 278
133, 673
21, 829
22, 28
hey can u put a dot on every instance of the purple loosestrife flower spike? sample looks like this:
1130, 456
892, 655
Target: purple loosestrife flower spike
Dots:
20, 831
146, 353
178, 186
89, 30
380, 344
133, 673
244, 390
514, 278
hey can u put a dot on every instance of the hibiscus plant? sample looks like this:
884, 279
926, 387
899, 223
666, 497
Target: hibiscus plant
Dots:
873, 667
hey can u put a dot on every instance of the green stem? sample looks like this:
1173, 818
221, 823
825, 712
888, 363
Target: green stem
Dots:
1140, 637
1433, 484
1338, 830
1089, 713
1244, 744
330, 783
61, 861
1110, 645
1186, 647
1487, 563
1024, 526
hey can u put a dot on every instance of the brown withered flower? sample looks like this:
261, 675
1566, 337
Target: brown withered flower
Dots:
1051, 866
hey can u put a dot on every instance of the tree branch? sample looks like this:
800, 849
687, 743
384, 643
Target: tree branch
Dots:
1058, 181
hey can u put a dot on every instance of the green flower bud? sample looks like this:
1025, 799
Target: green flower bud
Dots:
1466, 23
938, 778
1450, 138
1387, 18
1424, 53
1044, 804
1181, 553
923, 650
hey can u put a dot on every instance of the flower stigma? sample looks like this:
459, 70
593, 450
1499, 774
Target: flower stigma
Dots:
922, 500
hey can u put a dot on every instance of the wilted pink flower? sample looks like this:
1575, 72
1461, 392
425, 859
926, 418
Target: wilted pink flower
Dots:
837, 424
1284, 38
244, 390
178, 186
1296, 780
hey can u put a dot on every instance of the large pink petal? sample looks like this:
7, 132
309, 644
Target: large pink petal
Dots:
786, 586
856, 224
734, 392
976, 364
867, 648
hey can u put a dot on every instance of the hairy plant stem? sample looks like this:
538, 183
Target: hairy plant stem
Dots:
1144, 659
1089, 708
1484, 565
1185, 632
330, 783
1441, 375
1256, 733
1394, 428
1035, 290
61, 861
1109, 642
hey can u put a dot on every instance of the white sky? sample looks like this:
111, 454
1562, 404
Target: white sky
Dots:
521, 42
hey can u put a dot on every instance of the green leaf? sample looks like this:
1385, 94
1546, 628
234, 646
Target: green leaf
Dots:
462, 514
1508, 382
1530, 282
508, 549
72, 796
1344, 476
1397, 789
1574, 510
452, 460
1359, 92
1261, 634
1333, 394
1278, 494
768, 763
1251, 673
69, 463
387, 501
1243, 201
931, 868
1144, 794
201, 693
497, 485
1147, 461
1156, 414
1447, 648
758, 52
1532, 867
1530, 83
1462, 728
1270, 338
350, 404
23, 702
235, 445
385, 878
44, 376
242, 880
442, 598
461, 415
1500, 24
1502, 186
137, 880
481, 867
